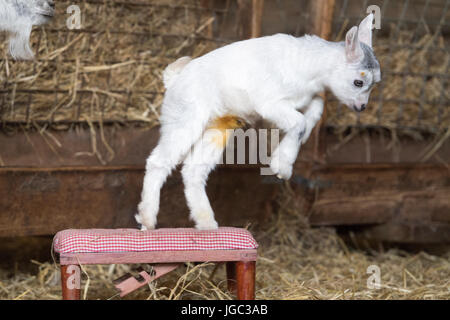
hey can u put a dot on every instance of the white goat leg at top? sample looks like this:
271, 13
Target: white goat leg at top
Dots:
277, 78
18, 17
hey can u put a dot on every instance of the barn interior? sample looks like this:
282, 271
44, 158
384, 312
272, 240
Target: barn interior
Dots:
370, 188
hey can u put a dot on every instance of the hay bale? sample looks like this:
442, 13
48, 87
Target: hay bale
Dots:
109, 71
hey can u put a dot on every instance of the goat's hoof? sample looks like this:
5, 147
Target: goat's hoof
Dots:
283, 170
144, 224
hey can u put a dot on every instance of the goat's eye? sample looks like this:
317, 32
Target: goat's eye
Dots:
358, 83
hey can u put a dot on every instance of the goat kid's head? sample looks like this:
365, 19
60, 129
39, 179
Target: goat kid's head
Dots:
352, 81
19, 16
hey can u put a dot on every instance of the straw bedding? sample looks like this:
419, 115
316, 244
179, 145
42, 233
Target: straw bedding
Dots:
104, 76
295, 262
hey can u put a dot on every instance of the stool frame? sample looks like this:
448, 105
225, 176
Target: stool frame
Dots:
240, 266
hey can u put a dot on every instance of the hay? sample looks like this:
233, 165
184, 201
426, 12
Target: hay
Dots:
110, 71
295, 262
414, 92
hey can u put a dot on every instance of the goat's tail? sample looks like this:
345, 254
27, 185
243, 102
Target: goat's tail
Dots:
173, 70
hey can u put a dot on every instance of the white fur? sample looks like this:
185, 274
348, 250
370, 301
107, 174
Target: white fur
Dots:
271, 77
173, 69
18, 17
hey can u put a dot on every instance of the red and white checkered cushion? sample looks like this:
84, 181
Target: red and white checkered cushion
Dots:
122, 240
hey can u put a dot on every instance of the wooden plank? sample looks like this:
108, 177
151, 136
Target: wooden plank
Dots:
159, 256
349, 210
74, 147
373, 194
47, 200
249, 18
322, 21
380, 147
322, 17
43, 192
132, 146
425, 233
256, 18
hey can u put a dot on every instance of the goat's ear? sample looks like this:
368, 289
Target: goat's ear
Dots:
353, 50
365, 30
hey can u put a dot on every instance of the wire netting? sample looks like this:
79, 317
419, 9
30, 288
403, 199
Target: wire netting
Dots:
110, 69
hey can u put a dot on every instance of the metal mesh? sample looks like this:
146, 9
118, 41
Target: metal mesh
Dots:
110, 69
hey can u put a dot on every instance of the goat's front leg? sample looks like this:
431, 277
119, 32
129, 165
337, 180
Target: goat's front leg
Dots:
312, 116
286, 118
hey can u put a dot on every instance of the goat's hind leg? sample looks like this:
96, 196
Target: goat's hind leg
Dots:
205, 155
174, 144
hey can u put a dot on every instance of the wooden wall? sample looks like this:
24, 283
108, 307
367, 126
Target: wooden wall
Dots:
52, 180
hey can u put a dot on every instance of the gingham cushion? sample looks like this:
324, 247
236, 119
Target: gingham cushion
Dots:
120, 240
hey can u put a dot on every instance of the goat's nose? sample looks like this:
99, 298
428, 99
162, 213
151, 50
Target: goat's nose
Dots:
359, 108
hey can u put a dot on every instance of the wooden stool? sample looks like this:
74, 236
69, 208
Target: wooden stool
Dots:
164, 249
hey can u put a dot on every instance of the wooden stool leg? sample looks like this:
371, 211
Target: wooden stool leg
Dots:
71, 282
245, 277
231, 276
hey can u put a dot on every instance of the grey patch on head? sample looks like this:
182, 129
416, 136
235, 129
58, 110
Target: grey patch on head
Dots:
369, 61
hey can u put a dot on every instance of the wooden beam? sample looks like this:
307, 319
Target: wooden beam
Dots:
322, 20
45, 187
43, 201
401, 232
374, 194
257, 12
322, 17
132, 145
250, 18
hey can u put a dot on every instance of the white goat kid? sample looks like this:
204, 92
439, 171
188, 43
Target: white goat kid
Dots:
271, 77
18, 17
